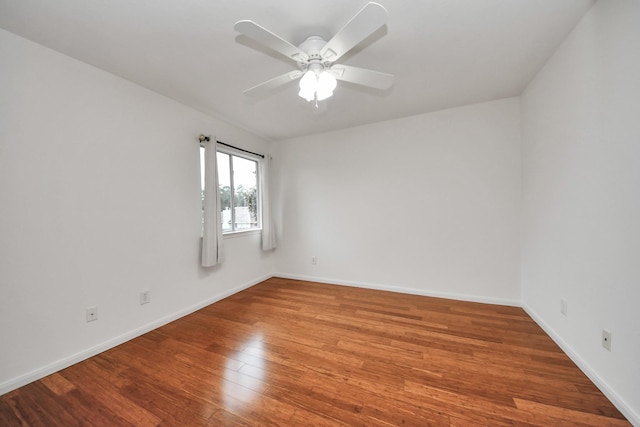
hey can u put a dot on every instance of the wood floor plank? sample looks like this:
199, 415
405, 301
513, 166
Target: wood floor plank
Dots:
568, 415
298, 353
58, 384
111, 397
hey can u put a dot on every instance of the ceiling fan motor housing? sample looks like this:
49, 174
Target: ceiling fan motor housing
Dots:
312, 47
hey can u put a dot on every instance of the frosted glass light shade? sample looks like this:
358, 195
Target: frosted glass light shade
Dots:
326, 84
308, 84
317, 86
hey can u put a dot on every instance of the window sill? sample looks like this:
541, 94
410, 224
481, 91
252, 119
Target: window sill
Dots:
242, 233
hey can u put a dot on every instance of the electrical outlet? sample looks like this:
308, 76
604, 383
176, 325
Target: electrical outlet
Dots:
563, 306
145, 297
606, 339
92, 313
314, 260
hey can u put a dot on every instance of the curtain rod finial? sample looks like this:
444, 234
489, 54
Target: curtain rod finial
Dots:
203, 138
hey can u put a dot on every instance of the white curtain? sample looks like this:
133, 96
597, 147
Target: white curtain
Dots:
268, 231
212, 232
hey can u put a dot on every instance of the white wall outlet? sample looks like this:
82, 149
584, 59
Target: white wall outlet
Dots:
92, 313
606, 339
563, 306
314, 260
145, 297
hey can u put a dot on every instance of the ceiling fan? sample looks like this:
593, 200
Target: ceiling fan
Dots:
315, 57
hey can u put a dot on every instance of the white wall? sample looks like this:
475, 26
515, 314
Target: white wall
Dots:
427, 204
99, 200
581, 232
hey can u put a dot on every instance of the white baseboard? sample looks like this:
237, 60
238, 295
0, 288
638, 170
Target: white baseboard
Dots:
65, 362
403, 290
618, 402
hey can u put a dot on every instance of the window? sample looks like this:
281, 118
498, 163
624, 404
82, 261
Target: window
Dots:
239, 192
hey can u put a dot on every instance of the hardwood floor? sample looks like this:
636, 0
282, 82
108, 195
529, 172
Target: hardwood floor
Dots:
293, 353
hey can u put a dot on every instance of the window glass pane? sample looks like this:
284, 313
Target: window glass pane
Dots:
224, 181
245, 186
239, 193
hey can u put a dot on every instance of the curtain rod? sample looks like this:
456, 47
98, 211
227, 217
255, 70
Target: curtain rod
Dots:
203, 138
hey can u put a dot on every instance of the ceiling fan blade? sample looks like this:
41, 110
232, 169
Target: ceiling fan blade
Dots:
362, 76
371, 17
274, 83
269, 39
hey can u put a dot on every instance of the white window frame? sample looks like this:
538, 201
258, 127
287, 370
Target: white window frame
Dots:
237, 153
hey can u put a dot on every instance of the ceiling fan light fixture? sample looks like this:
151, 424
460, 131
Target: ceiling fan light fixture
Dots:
317, 86
326, 85
308, 84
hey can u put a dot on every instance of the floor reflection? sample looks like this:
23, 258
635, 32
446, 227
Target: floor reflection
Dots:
244, 382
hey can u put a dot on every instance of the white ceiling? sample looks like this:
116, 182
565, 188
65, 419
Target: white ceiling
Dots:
444, 53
